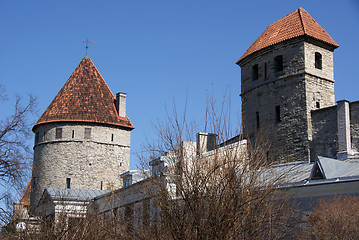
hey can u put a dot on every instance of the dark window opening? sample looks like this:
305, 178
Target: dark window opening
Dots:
87, 133
318, 60
278, 61
34, 181
317, 174
112, 138
36, 137
73, 133
255, 72
101, 185
317, 104
58, 133
257, 120
277, 114
265, 71
68, 182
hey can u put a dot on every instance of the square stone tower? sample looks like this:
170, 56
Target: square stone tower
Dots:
286, 73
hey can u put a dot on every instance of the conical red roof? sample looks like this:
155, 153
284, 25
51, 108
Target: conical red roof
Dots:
296, 24
85, 97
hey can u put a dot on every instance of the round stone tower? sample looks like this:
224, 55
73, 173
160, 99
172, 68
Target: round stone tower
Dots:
82, 140
286, 73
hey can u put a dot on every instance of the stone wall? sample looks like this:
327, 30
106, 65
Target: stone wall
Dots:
91, 162
354, 125
324, 132
277, 104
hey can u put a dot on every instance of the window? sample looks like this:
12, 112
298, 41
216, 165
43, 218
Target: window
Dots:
87, 133
101, 185
44, 137
317, 104
68, 182
255, 72
36, 137
58, 133
318, 60
73, 133
278, 61
265, 71
112, 138
277, 114
257, 120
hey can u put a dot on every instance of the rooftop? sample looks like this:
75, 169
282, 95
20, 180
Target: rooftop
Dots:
85, 97
296, 24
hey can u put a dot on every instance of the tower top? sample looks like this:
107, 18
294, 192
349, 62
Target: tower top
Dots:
296, 24
85, 97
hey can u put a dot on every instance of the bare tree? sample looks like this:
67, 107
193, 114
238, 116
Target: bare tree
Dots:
335, 218
15, 153
225, 193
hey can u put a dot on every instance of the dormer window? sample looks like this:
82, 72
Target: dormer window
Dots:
255, 72
318, 60
278, 61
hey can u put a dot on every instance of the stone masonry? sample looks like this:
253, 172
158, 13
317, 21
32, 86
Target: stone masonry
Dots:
278, 103
90, 162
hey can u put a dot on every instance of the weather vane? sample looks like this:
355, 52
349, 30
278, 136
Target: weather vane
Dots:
87, 44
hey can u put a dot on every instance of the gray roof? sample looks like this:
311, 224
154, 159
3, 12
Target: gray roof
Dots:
333, 168
74, 194
301, 173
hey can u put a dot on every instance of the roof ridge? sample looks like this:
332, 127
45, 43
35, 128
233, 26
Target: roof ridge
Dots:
301, 20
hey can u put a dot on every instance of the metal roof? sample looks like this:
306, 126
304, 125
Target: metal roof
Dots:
74, 194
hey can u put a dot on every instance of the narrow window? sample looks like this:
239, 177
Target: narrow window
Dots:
44, 137
255, 72
58, 133
68, 182
87, 133
34, 181
112, 138
73, 133
257, 120
277, 114
101, 185
317, 104
36, 137
318, 60
265, 71
278, 61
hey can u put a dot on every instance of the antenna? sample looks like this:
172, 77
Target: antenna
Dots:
87, 44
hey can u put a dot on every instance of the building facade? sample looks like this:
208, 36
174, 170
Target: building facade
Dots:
285, 74
82, 140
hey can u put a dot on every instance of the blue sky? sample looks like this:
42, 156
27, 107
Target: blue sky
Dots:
156, 51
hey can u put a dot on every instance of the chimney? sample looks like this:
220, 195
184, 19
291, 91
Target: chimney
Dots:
121, 104
205, 142
343, 121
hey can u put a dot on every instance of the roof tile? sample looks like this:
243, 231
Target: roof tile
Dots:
296, 24
85, 97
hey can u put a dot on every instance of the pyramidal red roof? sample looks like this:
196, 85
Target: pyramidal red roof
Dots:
296, 24
25, 198
85, 97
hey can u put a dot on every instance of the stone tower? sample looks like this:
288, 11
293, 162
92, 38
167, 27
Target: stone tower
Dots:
82, 140
286, 73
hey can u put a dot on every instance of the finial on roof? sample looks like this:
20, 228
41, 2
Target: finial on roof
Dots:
87, 44
86, 57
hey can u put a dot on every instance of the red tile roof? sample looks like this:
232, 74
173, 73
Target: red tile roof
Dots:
296, 24
25, 198
85, 97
